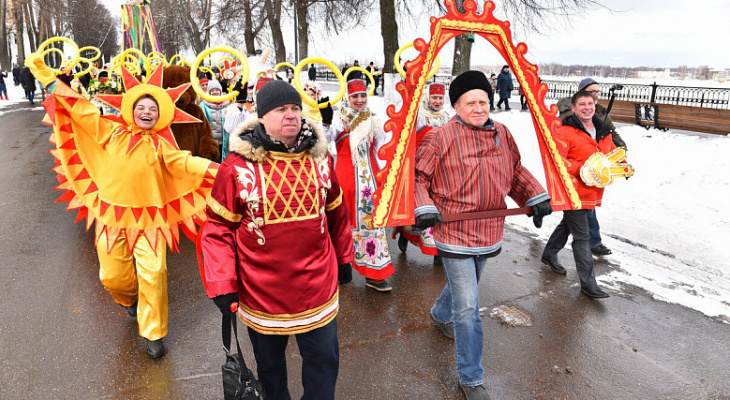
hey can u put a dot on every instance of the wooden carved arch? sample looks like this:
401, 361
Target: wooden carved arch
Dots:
394, 199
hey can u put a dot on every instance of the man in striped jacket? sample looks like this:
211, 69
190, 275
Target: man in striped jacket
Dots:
469, 165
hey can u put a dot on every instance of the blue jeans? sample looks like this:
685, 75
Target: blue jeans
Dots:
459, 304
320, 353
594, 229
3, 90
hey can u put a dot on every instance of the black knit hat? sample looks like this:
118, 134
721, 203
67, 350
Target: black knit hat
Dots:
276, 94
467, 81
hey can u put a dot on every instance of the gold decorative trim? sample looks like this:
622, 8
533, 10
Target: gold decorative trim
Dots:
222, 211
334, 204
292, 317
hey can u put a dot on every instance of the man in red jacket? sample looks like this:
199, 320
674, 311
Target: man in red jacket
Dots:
277, 230
582, 135
469, 165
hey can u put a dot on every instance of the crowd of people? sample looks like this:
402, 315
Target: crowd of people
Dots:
289, 212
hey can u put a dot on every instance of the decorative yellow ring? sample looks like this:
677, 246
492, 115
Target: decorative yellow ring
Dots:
87, 70
184, 63
53, 50
156, 55
368, 74
131, 52
399, 68
87, 48
328, 64
71, 63
165, 105
131, 66
282, 64
243, 73
172, 59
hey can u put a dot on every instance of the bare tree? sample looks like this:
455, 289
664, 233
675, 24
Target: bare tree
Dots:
17, 11
389, 31
5, 61
247, 16
273, 14
99, 31
197, 22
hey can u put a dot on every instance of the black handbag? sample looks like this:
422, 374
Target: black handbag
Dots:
239, 382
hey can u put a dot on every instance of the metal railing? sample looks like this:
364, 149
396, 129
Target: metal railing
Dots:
705, 97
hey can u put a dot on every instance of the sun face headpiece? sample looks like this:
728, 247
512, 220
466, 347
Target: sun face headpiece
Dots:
165, 99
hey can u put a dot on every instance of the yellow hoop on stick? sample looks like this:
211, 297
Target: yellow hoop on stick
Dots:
282, 64
172, 59
328, 64
134, 53
399, 68
119, 62
368, 74
183, 63
66, 64
88, 68
156, 55
196, 82
90, 48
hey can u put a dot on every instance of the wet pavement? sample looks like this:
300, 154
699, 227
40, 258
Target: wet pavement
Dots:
62, 336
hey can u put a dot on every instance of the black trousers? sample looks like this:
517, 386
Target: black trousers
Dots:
320, 351
575, 222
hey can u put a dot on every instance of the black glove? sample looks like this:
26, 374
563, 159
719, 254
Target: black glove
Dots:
540, 210
224, 302
425, 221
344, 273
327, 112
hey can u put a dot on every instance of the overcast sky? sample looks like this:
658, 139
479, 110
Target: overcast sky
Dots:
656, 33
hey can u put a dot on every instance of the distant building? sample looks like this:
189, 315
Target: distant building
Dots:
720, 76
657, 74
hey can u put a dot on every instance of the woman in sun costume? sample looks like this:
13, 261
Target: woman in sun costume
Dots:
134, 182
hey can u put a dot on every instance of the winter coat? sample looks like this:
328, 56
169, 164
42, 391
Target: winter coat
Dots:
576, 145
565, 112
312, 73
27, 80
504, 84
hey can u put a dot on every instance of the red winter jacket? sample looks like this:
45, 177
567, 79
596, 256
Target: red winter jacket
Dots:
576, 145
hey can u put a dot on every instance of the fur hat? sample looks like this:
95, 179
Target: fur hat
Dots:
276, 94
467, 81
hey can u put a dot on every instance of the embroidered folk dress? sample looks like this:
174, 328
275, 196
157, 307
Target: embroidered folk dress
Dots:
358, 136
428, 119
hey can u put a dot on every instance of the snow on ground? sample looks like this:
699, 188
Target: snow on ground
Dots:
16, 95
668, 225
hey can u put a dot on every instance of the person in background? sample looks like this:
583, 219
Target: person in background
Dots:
28, 82
215, 113
312, 73
504, 87
431, 115
3, 88
565, 110
493, 84
358, 135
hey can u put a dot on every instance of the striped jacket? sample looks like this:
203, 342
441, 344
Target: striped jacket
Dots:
462, 169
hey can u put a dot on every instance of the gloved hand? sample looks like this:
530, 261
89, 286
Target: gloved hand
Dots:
40, 70
540, 210
425, 221
344, 273
224, 302
327, 113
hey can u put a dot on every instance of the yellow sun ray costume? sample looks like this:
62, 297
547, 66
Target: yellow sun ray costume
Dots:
137, 185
